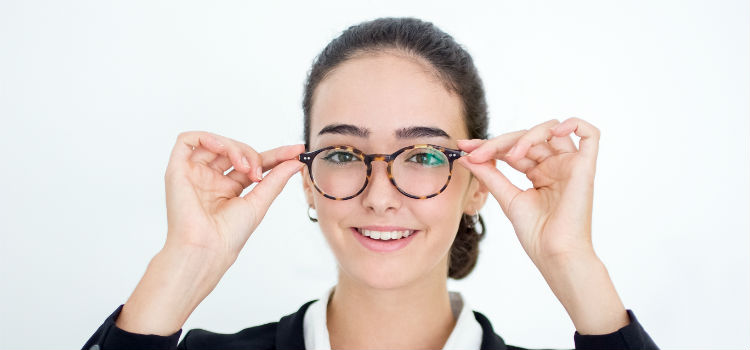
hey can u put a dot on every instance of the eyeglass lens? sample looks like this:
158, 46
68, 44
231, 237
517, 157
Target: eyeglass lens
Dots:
418, 172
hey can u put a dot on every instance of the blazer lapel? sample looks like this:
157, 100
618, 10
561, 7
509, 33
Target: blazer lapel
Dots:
290, 333
490, 340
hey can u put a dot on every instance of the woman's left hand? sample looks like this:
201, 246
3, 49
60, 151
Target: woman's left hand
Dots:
552, 219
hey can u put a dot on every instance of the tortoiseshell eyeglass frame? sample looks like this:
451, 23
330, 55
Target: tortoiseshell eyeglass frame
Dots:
451, 155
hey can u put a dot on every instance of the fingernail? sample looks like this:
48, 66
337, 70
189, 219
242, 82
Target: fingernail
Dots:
245, 163
259, 173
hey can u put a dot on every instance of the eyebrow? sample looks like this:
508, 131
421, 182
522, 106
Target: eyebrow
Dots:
411, 132
344, 129
420, 131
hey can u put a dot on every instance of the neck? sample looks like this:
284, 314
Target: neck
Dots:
414, 316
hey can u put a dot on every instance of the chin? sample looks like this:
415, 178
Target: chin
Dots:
379, 275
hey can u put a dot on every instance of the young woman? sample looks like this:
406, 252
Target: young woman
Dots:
396, 166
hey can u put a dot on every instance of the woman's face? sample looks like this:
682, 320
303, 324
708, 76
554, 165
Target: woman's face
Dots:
381, 95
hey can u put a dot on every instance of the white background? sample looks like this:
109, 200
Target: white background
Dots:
94, 93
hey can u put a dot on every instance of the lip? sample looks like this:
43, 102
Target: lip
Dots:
380, 246
384, 228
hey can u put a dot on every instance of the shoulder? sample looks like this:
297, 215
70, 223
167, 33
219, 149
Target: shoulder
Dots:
285, 333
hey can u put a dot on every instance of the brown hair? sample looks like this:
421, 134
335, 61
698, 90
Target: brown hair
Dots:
454, 67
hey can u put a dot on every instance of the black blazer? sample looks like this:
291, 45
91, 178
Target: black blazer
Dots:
287, 333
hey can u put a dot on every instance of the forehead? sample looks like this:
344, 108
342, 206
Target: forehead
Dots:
383, 93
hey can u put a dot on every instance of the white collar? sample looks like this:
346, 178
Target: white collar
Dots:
467, 334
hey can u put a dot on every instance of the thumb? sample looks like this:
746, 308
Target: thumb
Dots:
261, 197
501, 188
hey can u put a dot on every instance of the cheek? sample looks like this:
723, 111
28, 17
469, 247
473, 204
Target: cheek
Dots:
457, 194
454, 196
331, 212
331, 215
436, 211
441, 214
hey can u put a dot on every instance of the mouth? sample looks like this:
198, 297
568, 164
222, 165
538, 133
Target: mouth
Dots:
384, 239
384, 235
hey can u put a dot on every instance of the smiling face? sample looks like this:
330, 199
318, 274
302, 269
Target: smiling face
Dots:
379, 103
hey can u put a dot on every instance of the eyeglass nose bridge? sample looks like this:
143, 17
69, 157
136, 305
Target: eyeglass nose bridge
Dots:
388, 158
369, 158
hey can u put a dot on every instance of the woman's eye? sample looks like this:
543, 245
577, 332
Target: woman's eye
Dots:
426, 159
340, 157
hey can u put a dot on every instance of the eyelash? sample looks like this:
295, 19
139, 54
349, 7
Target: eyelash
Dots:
332, 154
425, 153
354, 158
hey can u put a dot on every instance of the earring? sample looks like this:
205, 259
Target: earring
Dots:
478, 220
472, 221
313, 219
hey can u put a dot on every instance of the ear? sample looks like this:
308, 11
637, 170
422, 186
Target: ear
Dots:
307, 186
475, 197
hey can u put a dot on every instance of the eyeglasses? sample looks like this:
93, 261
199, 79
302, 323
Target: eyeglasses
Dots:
418, 171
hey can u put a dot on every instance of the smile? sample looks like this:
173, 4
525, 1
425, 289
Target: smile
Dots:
384, 239
385, 235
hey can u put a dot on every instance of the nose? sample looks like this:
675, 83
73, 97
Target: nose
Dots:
381, 196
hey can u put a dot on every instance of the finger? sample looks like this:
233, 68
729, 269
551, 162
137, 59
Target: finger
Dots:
562, 144
242, 157
274, 157
203, 156
255, 168
501, 144
269, 159
501, 188
540, 152
495, 148
261, 197
221, 164
469, 145
523, 165
243, 179
239, 155
538, 134
589, 134
188, 142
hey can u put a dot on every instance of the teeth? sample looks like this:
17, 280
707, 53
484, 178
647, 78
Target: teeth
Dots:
385, 235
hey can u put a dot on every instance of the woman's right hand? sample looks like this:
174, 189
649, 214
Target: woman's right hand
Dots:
208, 224
204, 209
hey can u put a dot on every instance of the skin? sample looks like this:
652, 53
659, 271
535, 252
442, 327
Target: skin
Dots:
381, 298
403, 292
